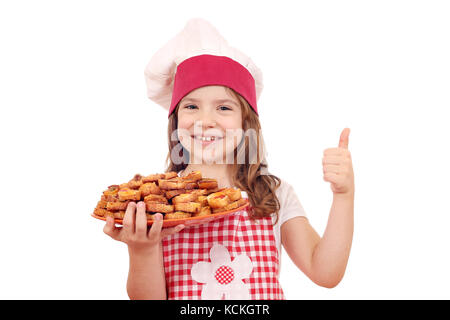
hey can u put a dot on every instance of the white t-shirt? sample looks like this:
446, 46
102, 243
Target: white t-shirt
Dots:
290, 207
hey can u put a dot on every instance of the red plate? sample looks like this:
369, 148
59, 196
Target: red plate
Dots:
187, 221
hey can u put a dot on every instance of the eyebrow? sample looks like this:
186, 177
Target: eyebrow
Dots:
216, 101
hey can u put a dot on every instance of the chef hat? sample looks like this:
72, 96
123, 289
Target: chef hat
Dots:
199, 56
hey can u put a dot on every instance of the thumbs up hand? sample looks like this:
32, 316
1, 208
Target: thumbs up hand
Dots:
337, 166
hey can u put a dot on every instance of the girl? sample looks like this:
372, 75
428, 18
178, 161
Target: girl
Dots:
211, 92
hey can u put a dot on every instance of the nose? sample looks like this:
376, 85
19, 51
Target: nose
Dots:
210, 124
200, 127
206, 121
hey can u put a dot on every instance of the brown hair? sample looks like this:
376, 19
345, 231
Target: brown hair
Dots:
250, 176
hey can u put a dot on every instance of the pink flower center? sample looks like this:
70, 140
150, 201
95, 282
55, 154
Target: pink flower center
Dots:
224, 275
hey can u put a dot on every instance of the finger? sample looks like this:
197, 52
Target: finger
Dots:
331, 177
333, 152
331, 168
155, 230
170, 231
336, 152
343, 140
332, 160
129, 218
141, 220
110, 228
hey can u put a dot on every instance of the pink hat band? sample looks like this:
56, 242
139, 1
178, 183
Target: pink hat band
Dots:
206, 69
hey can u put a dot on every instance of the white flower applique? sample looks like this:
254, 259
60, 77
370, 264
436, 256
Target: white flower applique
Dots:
223, 277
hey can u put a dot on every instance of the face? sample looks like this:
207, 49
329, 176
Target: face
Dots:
210, 124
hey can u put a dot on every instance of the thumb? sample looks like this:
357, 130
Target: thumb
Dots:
110, 228
343, 140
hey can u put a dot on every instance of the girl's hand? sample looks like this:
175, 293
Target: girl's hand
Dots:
337, 166
134, 231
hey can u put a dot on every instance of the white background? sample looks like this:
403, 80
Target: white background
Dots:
75, 118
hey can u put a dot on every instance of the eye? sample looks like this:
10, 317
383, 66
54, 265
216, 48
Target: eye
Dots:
190, 107
224, 108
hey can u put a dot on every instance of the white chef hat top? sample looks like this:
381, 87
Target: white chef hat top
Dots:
199, 39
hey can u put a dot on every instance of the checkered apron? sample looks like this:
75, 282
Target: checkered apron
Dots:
229, 258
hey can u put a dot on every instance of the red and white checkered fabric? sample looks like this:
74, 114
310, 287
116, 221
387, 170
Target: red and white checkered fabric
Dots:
240, 236
224, 275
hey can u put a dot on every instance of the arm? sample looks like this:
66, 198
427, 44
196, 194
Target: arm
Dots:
331, 254
323, 260
146, 278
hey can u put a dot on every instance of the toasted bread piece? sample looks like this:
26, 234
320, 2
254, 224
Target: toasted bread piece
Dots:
190, 185
177, 215
231, 206
153, 178
204, 211
102, 204
112, 190
172, 193
170, 175
209, 191
129, 194
119, 214
156, 198
100, 212
171, 184
149, 188
217, 200
218, 210
193, 176
242, 201
207, 184
117, 206
184, 197
159, 207
109, 198
192, 207
198, 192
137, 177
202, 200
136, 182
232, 193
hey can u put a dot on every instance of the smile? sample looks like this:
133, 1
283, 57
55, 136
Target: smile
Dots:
207, 139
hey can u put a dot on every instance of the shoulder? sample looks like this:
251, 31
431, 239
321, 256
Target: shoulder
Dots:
290, 205
284, 188
285, 191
